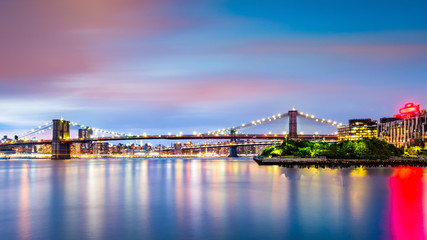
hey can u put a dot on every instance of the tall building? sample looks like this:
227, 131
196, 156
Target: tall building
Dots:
99, 147
177, 148
85, 147
408, 128
358, 129
85, 133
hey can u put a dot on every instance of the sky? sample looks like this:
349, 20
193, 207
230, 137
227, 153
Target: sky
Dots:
181, 65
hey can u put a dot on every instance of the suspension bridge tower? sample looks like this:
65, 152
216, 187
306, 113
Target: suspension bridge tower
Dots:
293, 134
233, 149
61, 130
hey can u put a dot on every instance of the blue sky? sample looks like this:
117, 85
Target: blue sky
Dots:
170, 66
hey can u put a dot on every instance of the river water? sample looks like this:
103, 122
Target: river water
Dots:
222, 198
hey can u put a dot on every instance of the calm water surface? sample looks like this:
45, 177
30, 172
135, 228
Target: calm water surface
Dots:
207, 199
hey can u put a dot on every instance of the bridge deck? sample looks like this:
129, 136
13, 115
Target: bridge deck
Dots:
178, 137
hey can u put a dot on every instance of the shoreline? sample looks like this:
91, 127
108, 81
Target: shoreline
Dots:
18, 157
341, 163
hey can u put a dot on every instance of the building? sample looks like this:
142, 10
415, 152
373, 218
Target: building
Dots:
7, 150
177, 148
100, 147
6, 139
408, 128
358, 129
88, 146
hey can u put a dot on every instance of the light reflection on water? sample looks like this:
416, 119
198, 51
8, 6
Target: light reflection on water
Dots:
207, 199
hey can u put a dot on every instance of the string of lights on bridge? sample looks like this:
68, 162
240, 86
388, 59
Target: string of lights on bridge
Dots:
35, 131
122, 134
273, 118
48, 126
99, 130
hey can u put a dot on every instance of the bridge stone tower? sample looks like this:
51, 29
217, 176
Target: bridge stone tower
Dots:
233, 149
293, 134
61, 130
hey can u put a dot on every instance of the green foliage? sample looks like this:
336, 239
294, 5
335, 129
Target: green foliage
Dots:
267, 152
368, 148
416, 151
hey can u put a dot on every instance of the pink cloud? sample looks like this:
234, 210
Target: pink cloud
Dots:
342, 47
184, 92
47, 39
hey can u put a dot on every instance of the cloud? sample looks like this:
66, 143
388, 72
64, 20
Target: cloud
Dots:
176, 92
22, 112
367, 49
43, 40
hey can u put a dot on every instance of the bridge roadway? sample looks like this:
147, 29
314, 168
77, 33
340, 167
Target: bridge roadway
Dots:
177, 137
237, 144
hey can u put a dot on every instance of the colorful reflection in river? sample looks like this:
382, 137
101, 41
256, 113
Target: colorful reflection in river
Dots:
406, 205
179, 198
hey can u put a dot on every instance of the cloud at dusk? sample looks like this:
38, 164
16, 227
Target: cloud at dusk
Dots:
200, 63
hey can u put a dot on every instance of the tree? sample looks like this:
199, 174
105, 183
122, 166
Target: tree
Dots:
367, 148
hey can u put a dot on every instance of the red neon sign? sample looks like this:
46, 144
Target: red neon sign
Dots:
409, 110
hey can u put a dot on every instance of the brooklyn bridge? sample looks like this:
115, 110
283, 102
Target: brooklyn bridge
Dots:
61, 140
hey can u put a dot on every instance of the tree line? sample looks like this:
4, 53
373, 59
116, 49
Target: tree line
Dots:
366, 148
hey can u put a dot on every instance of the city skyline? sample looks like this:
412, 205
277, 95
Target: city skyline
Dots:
164, 66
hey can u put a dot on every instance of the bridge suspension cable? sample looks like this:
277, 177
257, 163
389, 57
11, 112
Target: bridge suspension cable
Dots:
40, 129
253, 123
48, 126
323, 120
99, 130
274, 118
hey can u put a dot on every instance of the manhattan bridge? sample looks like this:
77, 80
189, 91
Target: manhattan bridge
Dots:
61, 140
